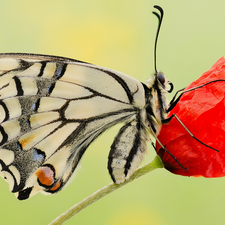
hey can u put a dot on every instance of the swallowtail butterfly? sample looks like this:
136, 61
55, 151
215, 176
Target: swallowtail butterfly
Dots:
52, 108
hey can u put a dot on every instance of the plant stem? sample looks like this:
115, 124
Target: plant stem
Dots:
156, 163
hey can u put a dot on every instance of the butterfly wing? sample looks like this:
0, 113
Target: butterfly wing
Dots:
51, 109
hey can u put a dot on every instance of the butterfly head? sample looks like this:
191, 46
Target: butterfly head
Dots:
160, 83
157, 88
161, 80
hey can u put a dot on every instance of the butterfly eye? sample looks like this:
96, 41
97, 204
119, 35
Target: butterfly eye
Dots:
161, 78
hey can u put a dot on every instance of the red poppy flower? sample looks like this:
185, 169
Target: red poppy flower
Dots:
202, 111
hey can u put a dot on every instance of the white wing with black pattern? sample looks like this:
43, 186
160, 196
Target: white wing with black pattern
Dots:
52, 108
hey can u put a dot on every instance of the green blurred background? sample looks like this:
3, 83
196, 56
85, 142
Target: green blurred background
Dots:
120, 35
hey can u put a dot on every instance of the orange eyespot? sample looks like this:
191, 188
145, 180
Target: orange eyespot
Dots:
56, 186
45, 175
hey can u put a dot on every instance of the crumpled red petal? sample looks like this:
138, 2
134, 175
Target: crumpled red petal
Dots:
203, 112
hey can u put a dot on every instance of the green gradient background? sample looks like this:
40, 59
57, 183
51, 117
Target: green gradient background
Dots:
120, 35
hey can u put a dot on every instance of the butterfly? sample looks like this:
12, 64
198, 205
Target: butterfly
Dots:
52, 108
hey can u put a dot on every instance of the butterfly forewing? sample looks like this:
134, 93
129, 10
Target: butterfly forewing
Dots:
51, 109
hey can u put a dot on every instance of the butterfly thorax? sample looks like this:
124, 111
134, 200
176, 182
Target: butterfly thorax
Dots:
156, 101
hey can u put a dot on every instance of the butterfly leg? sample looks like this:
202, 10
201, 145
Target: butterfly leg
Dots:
176, 99
175, 116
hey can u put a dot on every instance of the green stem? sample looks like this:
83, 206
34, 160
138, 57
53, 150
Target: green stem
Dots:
156, 163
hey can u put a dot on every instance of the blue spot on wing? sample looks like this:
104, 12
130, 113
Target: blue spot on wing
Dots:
38, 155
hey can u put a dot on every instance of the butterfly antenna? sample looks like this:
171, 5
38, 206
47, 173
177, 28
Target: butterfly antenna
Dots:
160, 17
